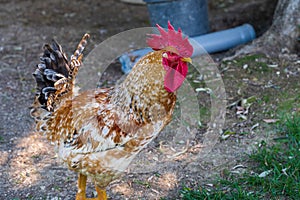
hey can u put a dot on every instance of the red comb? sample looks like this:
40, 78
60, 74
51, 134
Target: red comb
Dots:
172, 38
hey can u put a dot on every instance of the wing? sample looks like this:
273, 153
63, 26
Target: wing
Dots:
86, 124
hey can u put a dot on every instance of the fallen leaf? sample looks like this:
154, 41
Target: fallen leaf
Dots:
265, 173
207, 90
273, 66
254, 126
284, 171
227, 134
238, 166
270, 120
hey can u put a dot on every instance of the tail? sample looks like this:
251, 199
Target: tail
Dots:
55, 75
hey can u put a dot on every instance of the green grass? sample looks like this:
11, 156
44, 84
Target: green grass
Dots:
281, 156
254, 63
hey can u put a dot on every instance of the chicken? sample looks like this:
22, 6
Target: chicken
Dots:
97, 133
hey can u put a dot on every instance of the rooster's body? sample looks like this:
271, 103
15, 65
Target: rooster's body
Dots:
98, 132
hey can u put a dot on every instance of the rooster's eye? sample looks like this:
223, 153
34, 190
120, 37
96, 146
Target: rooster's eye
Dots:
165, 55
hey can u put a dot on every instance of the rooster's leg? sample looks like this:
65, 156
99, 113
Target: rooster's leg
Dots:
81, 190
81, 187
101, 193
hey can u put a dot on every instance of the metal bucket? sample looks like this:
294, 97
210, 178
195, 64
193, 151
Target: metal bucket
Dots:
190, 15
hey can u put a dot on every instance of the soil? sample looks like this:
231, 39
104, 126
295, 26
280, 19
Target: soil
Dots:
29, 167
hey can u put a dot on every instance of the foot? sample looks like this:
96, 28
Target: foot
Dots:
83, 197
81, 190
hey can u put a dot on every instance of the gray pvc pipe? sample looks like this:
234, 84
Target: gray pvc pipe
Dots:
209, 43
223, 40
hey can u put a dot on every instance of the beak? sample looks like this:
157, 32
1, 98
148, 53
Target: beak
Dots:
189, 60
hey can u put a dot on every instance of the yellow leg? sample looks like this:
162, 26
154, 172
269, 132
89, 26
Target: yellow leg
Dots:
101, 194
82, 187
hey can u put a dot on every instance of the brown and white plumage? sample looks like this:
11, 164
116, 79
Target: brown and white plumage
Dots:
98, 132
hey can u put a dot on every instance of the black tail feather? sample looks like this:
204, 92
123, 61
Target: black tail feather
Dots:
53, 66
55, 74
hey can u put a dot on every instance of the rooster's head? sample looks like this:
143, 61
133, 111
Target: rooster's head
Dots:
176, 53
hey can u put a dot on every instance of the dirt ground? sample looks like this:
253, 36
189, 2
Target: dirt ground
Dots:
29, 167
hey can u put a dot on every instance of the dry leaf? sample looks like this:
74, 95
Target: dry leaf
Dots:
270, 120
265, 173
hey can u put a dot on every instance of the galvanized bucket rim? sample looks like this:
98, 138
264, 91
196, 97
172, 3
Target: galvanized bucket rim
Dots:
158, 1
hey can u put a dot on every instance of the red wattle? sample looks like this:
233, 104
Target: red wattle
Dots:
176, 73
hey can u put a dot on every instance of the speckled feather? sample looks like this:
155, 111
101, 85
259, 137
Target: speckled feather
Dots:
99, 132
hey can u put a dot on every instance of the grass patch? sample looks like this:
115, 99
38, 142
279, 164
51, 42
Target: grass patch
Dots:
256, 63
251, 64
274, 171
288, 105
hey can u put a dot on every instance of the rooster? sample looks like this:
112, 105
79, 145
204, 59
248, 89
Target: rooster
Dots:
97, 133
